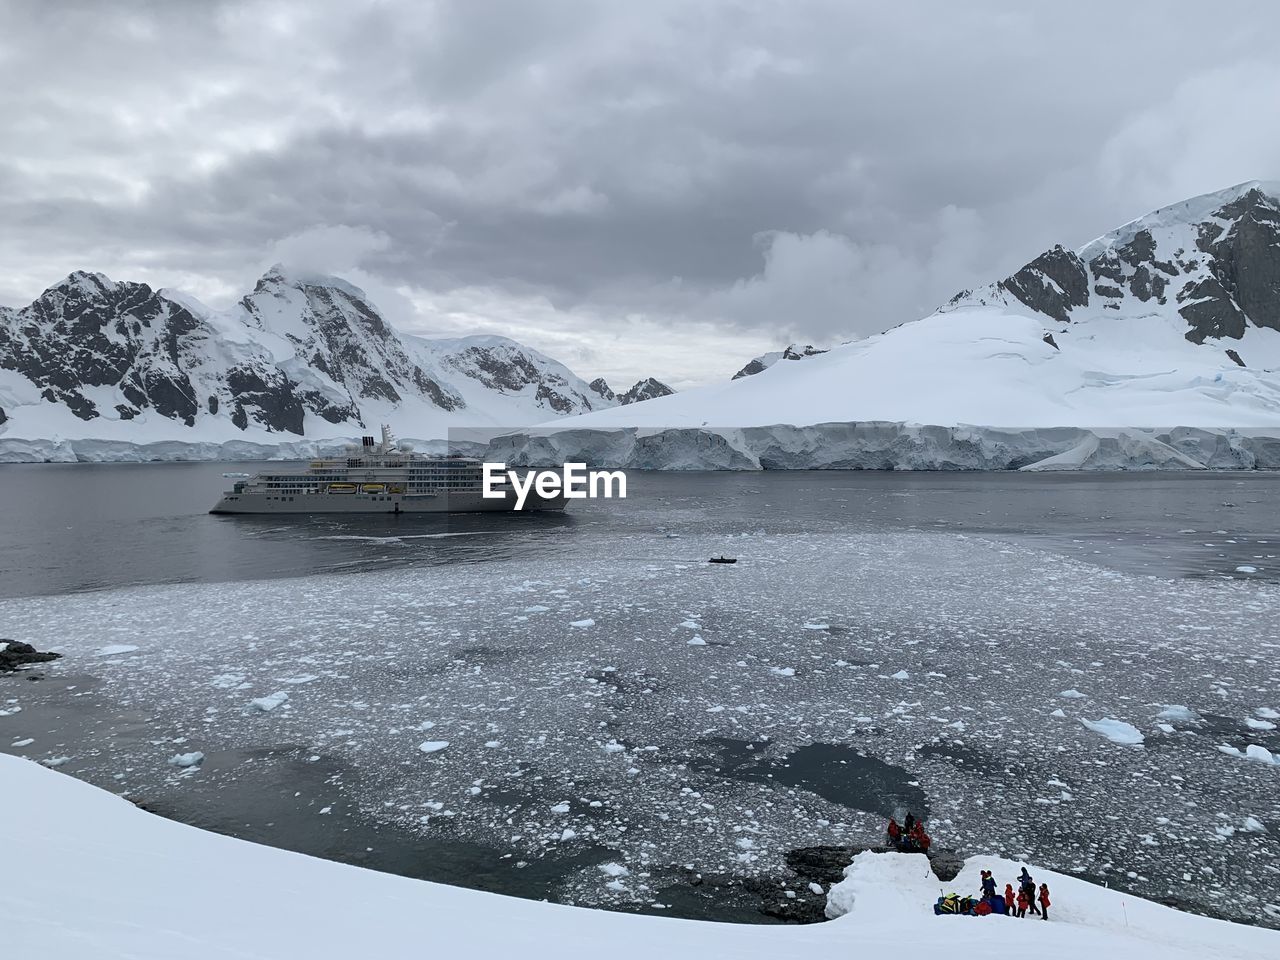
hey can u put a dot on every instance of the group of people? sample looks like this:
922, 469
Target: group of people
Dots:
1011, 904
909, 837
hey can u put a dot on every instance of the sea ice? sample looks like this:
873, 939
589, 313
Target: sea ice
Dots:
432, 746
1117, 731
193, 759
268, 703
115, 649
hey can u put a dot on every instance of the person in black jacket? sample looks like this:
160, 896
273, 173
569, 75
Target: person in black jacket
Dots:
1027, 884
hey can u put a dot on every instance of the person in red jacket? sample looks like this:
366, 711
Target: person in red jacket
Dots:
1044, 901
1010, 903
1023, 902
895, 834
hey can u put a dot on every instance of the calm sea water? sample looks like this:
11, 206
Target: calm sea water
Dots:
73, 527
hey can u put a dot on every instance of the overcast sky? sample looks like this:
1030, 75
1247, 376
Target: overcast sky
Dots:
637, 188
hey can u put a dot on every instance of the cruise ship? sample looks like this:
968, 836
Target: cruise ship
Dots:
376, 477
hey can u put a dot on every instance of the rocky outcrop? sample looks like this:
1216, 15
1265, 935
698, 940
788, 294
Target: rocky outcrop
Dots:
14, 654
646, 389
1213, 261
764, 362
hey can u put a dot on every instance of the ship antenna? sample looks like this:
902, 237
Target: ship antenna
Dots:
387, 439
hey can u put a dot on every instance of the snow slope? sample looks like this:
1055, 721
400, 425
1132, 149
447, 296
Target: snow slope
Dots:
90, 875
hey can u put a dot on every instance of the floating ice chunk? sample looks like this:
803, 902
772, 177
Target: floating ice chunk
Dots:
783, 671
617, 886
54, 761
1246, 569
1252, 752
817, 626
583, 623
562, 807
1259, 724
1072, 694
1254, 825
1267, 713
303, 678
10, 711
1255, 752
613, 746
227, 681
1177, 713
696, 641
493, 743
536, 608
1058, 713
816, 888
115, 649
269, 703
900, 675
1117, 731
614, 870
432, 746
426, 724
567, 835
193, 759
691, 625
1167, 728
23, 743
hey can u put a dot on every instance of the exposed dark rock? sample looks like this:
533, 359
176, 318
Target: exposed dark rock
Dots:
600, 386
751, 369
647, 389
1245, 268
1048, 338
1235, 357
17, 654
1053, 283
794, 352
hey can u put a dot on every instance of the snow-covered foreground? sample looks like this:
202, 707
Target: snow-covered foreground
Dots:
92, 876
610, 702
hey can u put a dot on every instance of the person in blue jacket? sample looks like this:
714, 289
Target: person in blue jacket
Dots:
988, 884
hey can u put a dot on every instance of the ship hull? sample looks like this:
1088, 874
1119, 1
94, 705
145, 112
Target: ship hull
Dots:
459, 502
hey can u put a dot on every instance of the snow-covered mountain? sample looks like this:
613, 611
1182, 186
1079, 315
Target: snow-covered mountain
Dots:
300, 356
767, 360
1173, 320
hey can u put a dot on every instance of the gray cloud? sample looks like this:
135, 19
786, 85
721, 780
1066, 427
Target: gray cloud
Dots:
662, 188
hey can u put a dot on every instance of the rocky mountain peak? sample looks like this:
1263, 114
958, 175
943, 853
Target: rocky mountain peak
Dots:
646, 389
1213, 262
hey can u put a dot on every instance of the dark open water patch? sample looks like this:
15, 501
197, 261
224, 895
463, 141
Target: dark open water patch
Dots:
833, 771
